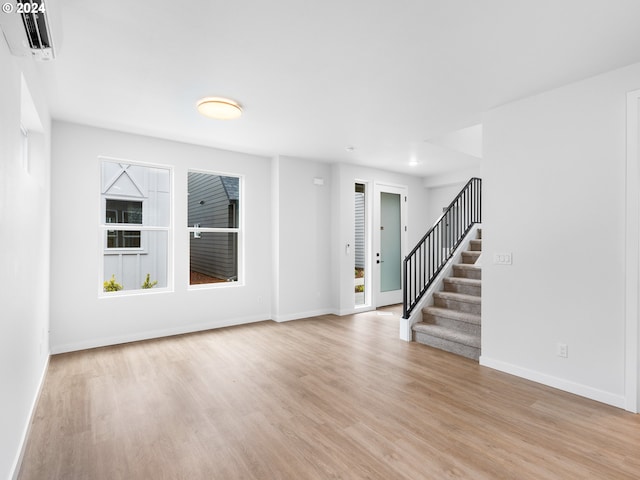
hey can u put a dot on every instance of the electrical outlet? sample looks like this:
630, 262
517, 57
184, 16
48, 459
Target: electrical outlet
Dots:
563, 350
502, 258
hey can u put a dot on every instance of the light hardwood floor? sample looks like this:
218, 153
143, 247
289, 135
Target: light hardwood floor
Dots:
322, 398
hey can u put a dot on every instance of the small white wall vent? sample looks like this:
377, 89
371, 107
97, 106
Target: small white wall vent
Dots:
26, 27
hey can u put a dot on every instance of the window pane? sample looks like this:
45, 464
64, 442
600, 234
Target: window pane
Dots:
123, 211
135, 197
136, 182
123, 239
213, 257
130, 269
213, 200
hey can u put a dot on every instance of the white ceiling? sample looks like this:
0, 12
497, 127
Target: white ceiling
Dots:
391, 78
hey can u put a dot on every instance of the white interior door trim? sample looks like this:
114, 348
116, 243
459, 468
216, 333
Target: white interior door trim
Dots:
381, 299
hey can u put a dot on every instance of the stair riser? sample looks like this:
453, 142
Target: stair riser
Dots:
457, 305
466, 327
470, 257
474, 290
452, 347
475, 245
459, 271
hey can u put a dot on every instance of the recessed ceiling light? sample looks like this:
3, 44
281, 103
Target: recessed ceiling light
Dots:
220, 108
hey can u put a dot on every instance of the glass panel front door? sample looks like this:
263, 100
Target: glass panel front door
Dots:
390, 242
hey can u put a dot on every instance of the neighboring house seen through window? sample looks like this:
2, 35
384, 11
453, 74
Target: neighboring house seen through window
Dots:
214, 228
123, 211
135, 221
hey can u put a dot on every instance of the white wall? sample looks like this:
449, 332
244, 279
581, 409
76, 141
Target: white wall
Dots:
79, 318
302, 222
293, 269
312, 273
343, 179
24, 258
442, 189
439, 198
554, 196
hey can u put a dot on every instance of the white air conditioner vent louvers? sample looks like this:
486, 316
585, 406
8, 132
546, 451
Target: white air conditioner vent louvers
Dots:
26, 29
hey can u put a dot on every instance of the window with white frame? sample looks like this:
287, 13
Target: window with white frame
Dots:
214, 226
135, 220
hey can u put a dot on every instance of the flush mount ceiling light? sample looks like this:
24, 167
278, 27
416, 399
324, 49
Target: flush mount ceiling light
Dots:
220, 108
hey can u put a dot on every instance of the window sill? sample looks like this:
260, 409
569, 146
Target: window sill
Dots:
212, 286
135, 293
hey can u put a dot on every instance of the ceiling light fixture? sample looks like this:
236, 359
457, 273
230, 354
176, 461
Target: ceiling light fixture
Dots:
220, 108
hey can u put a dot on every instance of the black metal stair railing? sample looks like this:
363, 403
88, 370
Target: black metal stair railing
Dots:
430, 255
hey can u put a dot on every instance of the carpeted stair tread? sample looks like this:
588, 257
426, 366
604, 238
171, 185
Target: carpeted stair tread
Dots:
467, 270
469, 257
452, 314
447, 334
460, 297
463, 281
467, 266
476, 245
470, 286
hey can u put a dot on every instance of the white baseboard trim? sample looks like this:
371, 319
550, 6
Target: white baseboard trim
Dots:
15, 470
354, 310
148, 335
300, 315
555, 382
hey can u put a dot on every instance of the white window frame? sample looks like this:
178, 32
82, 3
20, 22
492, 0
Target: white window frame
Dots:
103, 227
198, 230
138, 227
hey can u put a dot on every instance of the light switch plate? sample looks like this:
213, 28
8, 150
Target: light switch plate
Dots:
502, 258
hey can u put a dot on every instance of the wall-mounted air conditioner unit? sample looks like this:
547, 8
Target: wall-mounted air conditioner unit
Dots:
26, 27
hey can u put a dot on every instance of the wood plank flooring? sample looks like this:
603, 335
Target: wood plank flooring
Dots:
322, 398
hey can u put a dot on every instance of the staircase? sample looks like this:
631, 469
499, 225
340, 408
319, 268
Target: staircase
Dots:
453, 322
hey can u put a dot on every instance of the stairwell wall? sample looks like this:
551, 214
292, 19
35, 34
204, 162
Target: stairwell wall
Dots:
443, 188
554, 196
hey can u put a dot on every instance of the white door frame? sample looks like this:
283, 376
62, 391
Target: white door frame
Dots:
632, 254
387, 298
